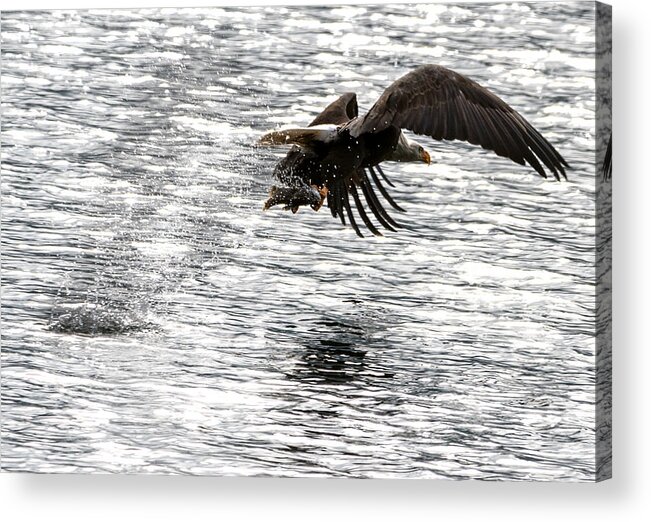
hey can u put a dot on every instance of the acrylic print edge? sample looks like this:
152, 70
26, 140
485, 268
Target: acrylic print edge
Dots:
603, 246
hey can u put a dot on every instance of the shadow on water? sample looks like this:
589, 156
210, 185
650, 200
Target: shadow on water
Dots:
334, 352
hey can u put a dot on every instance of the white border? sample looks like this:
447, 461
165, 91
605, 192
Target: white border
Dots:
625, 497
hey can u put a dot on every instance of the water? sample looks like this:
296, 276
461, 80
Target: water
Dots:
155, 320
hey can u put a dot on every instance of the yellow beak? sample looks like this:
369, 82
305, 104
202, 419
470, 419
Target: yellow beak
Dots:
425, 157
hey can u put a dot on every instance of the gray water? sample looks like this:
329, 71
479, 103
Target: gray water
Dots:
155, 320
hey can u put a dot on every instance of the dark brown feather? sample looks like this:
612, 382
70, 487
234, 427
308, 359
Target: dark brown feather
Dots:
351, 217
443, 104
383, 191
362, 213
384, 176
340, 111
376, 207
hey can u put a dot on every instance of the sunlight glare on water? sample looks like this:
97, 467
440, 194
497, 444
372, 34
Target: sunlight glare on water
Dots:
156, 320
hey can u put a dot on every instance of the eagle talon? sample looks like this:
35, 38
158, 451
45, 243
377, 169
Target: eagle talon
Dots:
323, 192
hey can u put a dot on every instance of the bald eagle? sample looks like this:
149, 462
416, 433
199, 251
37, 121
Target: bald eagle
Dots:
338, 155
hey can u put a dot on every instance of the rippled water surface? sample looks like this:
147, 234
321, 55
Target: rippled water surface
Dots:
154, 319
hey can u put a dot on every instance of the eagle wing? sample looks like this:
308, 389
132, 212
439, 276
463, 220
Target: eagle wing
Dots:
435, 101
340, 111
299, 136
323, 128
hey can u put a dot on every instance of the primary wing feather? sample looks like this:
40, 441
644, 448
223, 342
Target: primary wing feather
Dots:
435, 101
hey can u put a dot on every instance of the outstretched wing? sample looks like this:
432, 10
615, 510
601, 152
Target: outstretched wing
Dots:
300, 136
437, 102
323, 128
